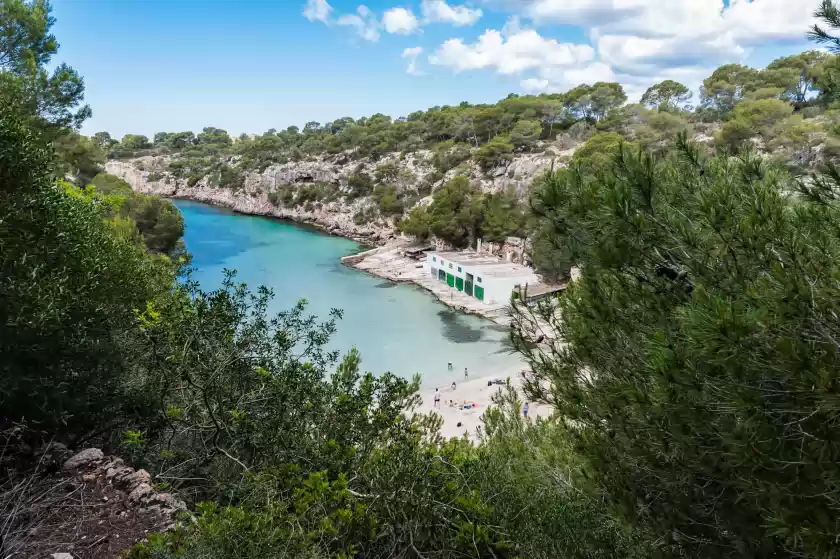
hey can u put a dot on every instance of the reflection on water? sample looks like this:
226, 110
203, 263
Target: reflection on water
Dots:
456, 329
396, 327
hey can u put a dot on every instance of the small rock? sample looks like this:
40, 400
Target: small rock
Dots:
170, 500
62, 556
139, 492
84, 458
105, 499
136, 478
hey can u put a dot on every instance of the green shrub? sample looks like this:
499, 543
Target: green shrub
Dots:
494, 153
69, 293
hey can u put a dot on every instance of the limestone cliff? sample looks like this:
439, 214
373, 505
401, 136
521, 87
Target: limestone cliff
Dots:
150, 175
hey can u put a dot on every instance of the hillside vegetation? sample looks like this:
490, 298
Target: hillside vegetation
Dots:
694, 380
788, 112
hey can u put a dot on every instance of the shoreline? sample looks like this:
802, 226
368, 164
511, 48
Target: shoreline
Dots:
387, 263
393, 267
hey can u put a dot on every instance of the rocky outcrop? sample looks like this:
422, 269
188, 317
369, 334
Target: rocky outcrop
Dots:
88, 506
149, 175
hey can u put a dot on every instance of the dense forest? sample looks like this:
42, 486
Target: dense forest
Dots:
694, 380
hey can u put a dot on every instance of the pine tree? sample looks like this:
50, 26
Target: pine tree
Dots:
697, 357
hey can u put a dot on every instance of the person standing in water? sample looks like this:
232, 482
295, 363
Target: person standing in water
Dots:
465, 373
437, 398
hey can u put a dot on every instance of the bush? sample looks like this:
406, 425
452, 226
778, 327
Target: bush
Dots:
360, 184
448, 155
753, 118
387, 200
496, 152
69, 293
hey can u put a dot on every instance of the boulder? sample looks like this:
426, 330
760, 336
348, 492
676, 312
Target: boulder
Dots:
84, 458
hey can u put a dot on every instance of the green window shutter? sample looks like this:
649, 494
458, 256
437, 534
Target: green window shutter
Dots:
459, 284
450, 280
479, 292
441, 275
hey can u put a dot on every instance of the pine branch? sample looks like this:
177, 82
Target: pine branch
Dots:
830, 14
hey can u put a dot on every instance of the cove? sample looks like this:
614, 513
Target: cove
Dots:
396, 327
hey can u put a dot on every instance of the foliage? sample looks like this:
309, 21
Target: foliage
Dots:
830, 15
502, 216
388, 200
597, 153
360, 184
525, 134
78, 157
51, 100
697, 362
667, 95
69, 291
449, 154
753, 118
726, 87
494, 153
796, 75
158, 221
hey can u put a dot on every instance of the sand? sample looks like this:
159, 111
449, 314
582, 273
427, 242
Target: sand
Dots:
472, 390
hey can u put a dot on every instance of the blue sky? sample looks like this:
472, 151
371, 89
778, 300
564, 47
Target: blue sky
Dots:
251, 65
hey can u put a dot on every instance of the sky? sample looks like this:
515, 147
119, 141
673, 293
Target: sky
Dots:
251, 65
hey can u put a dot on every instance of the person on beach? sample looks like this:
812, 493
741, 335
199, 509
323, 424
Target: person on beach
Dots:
525, 410
466, 374
453, 385
437, 398
450, 365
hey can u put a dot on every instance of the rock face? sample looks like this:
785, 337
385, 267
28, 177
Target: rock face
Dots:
149, 175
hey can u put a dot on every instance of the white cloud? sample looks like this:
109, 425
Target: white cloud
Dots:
411, 54
641, 42
559, 79
440, 11
510, 55
534, 85
400, 21
365, 22
317, 10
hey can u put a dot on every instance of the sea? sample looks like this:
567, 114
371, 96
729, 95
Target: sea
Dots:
399, 328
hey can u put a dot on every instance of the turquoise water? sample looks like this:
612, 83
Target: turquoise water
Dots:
397, 328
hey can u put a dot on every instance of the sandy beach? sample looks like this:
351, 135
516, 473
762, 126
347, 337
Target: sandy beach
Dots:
473, 391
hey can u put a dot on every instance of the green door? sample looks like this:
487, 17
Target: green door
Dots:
441, 275
468, 287
479, 293
459, 284
450, 280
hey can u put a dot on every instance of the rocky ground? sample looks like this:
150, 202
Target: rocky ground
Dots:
80, 506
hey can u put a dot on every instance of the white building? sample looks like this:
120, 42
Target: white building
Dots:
485, 277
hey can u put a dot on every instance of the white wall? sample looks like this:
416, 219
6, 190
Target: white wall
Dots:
496, 289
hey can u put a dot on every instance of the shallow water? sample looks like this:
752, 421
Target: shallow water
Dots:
397, 328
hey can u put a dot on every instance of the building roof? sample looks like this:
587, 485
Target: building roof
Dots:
489, 265
540, 289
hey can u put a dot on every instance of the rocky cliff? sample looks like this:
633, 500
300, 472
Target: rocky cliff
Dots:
338, 216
